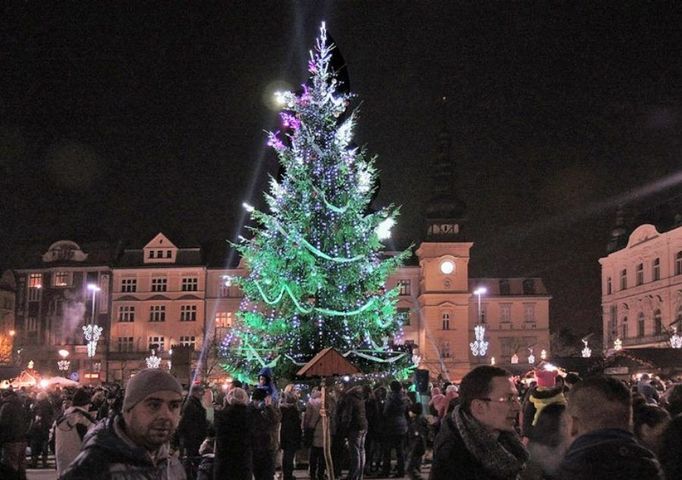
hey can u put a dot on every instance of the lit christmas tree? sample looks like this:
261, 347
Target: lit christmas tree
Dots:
317, 273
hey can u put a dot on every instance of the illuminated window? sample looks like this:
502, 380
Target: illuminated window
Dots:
159, 284
639, 277
190, 284
188, 313
35, 283
126, 313
156, 343
129, 285
656, 270
61, 279
404, 287
223, 319
126, 344
157, 313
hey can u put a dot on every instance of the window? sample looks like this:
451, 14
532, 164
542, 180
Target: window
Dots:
623, 279
156, 343
609, 286
190, 284
404, 315
157, 313
151, 253
35, 283
504, 287
159, 284
159, 254
126, 313
188, 341
128, 285
640, 324
529, 312
656, 270
445, 350
223, 319
169, 254
126, 344
639, 274
31, 324
509, 345
505, 312
446, 320
188, 313
61, 279
658, 322
404, 287
529, 286
678, 264
679, 313
625, 327
613, 319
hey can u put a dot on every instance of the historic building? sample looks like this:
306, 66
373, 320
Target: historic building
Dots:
7, 328
54, 303
642, 286
158, 302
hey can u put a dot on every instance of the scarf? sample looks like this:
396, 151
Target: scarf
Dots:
503, 457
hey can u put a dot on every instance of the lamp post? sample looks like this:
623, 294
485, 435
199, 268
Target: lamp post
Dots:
479, 346
92, 332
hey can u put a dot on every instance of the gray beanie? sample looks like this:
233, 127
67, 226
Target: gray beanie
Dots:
148, 381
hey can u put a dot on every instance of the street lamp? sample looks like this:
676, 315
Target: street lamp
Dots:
479, 346
63, 364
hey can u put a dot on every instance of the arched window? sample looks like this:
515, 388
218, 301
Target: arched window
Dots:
640, 324
609, 287
625, 327
624, 279
446, 320
678, 264
639, 274
658, 322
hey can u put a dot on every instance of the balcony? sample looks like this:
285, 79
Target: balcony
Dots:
646, 341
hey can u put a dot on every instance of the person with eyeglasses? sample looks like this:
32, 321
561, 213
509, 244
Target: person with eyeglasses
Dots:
479, 439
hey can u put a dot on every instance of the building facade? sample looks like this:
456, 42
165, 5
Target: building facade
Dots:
8, 331
642, 289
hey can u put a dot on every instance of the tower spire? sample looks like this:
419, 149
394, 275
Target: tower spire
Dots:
445, 211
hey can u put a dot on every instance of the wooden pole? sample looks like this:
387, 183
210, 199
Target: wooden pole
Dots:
326, 435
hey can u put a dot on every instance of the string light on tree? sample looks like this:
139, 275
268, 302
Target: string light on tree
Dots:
316, 271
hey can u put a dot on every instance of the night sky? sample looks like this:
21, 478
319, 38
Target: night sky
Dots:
119, 120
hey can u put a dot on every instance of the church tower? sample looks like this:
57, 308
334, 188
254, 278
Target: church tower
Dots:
444, 270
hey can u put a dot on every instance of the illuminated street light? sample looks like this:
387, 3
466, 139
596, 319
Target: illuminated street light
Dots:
479, 346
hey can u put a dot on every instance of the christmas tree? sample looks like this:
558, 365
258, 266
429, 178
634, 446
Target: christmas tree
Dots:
317, 271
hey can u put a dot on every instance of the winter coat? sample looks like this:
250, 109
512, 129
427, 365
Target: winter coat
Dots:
350, 412
290, 433
193, 425
608, 453
313, 419
41, 421
108, 454
13, 424
69, 431
417, 433
266, 420
395, 410
233, 453
452, 459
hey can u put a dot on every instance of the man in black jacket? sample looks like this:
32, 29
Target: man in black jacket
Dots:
478, 440
193, 423
136, 444
13, 428
395, 428
600, 414
352, 421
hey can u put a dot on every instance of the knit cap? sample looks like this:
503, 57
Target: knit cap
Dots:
146, 382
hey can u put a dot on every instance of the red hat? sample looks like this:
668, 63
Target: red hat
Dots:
545, 378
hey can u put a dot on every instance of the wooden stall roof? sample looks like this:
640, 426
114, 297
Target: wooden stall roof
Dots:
327, 363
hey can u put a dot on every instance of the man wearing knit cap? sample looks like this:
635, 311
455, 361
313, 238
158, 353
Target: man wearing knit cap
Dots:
135, 444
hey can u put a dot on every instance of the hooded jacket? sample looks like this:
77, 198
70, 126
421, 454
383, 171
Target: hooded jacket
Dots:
108, 454
69, 432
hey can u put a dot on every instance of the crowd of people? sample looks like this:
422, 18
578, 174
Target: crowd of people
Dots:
489, 426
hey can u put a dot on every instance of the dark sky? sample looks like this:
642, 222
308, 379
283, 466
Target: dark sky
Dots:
118, 119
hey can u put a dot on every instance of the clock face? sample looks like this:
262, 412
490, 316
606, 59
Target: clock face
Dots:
447, 267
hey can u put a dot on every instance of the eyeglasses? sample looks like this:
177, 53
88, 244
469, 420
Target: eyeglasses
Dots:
508, 399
